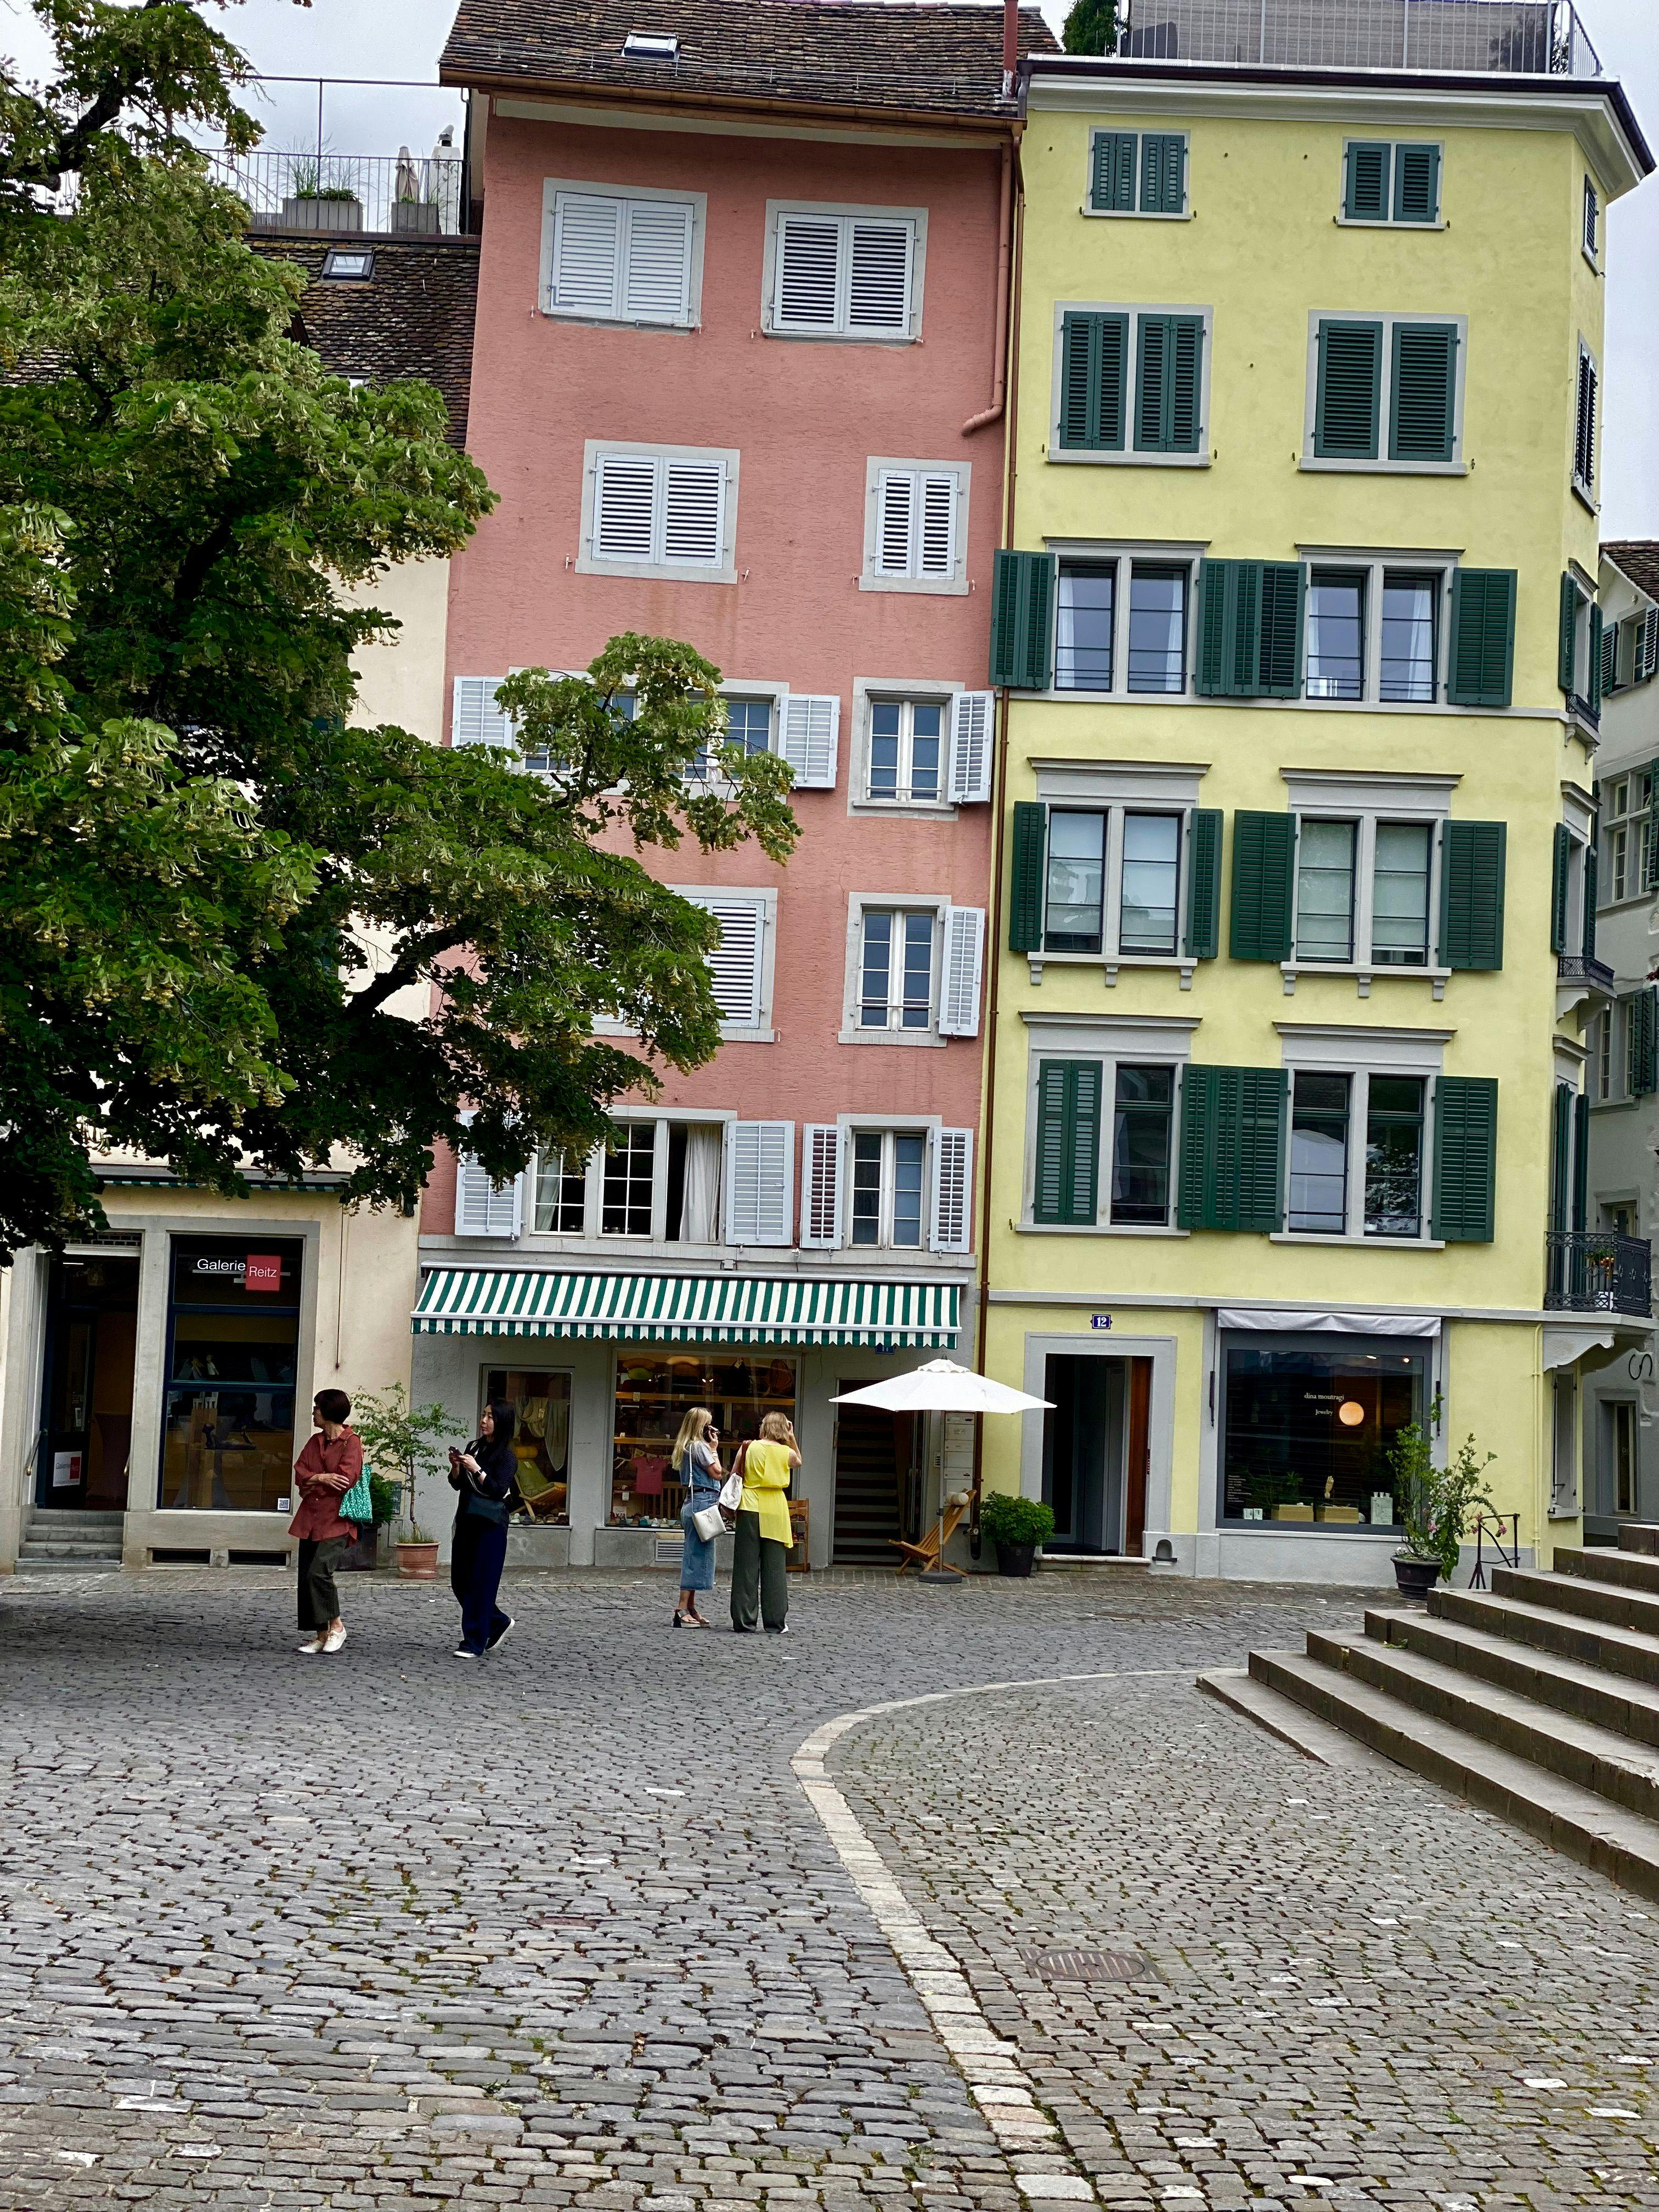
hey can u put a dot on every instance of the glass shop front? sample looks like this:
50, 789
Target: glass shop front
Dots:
232, 1349
656, 1387
541, 1398
1309, 1425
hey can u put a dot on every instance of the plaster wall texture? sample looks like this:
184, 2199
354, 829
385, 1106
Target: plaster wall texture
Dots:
402, 680
805, 416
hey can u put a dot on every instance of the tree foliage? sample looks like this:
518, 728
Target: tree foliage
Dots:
224, 906
1090, 27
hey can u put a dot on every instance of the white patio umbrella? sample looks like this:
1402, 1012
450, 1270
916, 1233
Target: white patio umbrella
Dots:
942, 1387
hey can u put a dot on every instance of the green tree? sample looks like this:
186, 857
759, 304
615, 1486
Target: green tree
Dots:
1090, 27
213, 886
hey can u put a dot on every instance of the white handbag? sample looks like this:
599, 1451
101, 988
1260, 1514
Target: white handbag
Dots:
709, 1522
730, 1496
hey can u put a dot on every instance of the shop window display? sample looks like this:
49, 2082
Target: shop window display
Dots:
1308, 1427
233, 1344
541, 1398
739, 1384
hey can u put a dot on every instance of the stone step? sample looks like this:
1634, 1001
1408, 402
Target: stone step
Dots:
102, 1564
1600, 1564
1578, 1822
1592, 1601
97, 1547
50, 1518
1624, 1651
1628, 1708
1639, 1536
1592, 1758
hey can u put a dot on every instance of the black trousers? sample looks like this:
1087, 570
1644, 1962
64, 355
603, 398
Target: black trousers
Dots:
319, 1600
760, 1579
477, 1554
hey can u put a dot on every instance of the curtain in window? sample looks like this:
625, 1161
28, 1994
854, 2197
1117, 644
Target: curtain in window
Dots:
700, 1208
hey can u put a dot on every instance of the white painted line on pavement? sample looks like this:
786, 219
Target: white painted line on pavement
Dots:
988, 2062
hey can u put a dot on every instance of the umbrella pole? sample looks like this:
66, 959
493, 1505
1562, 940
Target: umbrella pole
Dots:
938, 1573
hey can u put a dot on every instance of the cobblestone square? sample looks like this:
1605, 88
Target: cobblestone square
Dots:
567, 1929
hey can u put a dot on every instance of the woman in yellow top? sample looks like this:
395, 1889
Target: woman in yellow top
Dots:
760, 1589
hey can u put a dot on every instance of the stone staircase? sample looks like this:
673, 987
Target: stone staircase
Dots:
1538, 1701
69, 1542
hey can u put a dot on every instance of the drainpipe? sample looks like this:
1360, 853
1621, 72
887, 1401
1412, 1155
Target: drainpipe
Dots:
1005, 265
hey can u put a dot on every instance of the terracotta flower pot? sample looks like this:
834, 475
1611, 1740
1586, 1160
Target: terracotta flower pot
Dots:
418, 1563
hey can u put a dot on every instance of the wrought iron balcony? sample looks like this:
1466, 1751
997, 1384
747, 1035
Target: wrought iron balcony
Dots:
1585, 968
1529, 38
1593, 1271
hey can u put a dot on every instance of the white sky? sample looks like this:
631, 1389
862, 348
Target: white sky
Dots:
371, 38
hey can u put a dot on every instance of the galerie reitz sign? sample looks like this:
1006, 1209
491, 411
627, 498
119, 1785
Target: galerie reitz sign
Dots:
252, 1271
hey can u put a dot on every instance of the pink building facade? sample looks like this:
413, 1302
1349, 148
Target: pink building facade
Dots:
735, 380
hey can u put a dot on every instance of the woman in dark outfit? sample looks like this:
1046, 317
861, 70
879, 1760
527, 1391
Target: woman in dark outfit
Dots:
486, 1475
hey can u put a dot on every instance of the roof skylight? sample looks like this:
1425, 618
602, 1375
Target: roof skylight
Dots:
651, 46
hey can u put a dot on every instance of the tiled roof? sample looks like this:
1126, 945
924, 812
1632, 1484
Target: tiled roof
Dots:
413, 317
1638, 559
936, 58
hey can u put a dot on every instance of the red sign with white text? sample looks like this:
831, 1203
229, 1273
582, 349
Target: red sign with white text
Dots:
263, 1272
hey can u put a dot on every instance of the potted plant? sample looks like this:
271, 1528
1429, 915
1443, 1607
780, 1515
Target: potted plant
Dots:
416, 215
1436, 1504
311, 204
397, 1434
1017, 1526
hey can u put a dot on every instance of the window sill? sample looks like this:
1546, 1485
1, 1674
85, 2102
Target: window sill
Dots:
1134, 214
571, 317
1386, 223
935, 587
931, 809
770, 329
1129, 459
660, 571
1311, 465
890, 1036
742, 1033
1359, 1244
1109, 965
1292, 970
1116, 698
1585, 497
1090, 1229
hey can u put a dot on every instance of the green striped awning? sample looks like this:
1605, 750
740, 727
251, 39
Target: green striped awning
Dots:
689, 1309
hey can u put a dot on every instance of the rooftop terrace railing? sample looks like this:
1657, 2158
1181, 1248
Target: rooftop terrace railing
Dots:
1526, 38
420, 195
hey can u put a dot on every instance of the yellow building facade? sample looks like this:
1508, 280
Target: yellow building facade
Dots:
1297, 647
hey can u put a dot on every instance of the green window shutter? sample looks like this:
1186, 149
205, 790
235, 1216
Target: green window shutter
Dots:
1480, 672
1093, 357
1264, 882
1567, 655
1417, 183
1112, 175
1349, 395
1022, 620
1561, 1156
1232, 1148
1465, 1158
1580, 1161
1030, 840
1249, 629
1068, 1142
1560, 879
1472, 894
1162, 173
1597, 631
1642, 1011
1170, 358
1203, 938
1592, 871
1365, 198
1422, 400
1651, 875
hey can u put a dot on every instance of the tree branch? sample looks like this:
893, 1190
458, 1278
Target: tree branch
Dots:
405, 970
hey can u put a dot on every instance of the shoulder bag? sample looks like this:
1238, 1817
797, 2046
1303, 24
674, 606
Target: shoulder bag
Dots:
357, 1504
731, 1498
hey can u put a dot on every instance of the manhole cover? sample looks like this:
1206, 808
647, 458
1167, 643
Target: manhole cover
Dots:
1081, 1966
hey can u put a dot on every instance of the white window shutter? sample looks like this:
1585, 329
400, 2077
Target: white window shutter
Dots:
1647, 645
475, 718
895, 512
624, 506
809, 727
936, 548
952, 1208
760, 1160
808, 264
879, 283
970, 748
587, 238
735, 962
823, 1151
657, 278
693, 512
483, 1208
964, 955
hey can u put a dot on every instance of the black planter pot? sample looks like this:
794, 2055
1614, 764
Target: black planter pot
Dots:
1416, 1577
1015, 1559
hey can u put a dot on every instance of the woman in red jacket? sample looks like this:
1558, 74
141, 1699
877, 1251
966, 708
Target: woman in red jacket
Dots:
330, 1462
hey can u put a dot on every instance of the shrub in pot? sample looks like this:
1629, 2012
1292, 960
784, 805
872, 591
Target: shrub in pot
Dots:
396, 1434
1437, 1503
1017, 1526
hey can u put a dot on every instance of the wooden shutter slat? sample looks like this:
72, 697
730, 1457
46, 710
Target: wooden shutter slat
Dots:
1203, 940
1566, 644
584, 277
959, 980
1366, 199
1481, 662
1232, 1148
1644, 1015
822, 1145
970, 748
694, 499
1162, 173
810, 722
1465, 1158
1423, 398
625, 507
1560, 881
1597, 633
1471, 869
1067, 1143
878, 277
951, 1209
1416, 183
1028, 855
1152, 382
1348, 395
734, 964
1263, 886
1112, 181
1022, 620
809, 258
760, 1171
656, 285
1094, 354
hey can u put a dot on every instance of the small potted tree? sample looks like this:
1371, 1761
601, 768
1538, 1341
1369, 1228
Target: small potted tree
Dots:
1436, 1504
1017, 1526
406, 1438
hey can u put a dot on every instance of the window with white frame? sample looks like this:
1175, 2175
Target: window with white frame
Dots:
752, 722
915, 536
1357, 1152
1627, 855
901, 1189
1586, 423
559, 1207
1113, 881
1121, 625
1375, 630
1131, 385
1385, 391
661, 1179
915, 970
889, 1188
1103, 1114
622, 254
659, 511
1364, 892
844, 272
925, 748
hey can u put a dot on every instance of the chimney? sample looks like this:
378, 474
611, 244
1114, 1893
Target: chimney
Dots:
1009, 46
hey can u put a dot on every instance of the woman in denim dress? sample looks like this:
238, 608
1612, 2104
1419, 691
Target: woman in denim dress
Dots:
696, 1463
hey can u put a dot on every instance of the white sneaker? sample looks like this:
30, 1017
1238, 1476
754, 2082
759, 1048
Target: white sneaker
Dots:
334, 1640
310, 1650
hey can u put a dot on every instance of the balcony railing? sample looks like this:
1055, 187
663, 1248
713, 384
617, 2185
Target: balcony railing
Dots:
403, 194
1531, 38
1585, 968
1593, 1271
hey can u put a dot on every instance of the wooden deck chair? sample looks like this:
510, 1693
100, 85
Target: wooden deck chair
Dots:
926, 1554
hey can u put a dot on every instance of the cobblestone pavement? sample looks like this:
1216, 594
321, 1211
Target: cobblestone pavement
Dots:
560, 1929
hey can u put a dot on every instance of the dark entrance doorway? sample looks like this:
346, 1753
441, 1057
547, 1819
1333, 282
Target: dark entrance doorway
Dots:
874, 1452
1095, 1452
92, 1327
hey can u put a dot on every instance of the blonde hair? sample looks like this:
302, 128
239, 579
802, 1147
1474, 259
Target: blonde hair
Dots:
774, 1429
692, 1429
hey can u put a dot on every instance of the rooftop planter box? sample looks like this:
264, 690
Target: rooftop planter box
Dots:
322, 211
